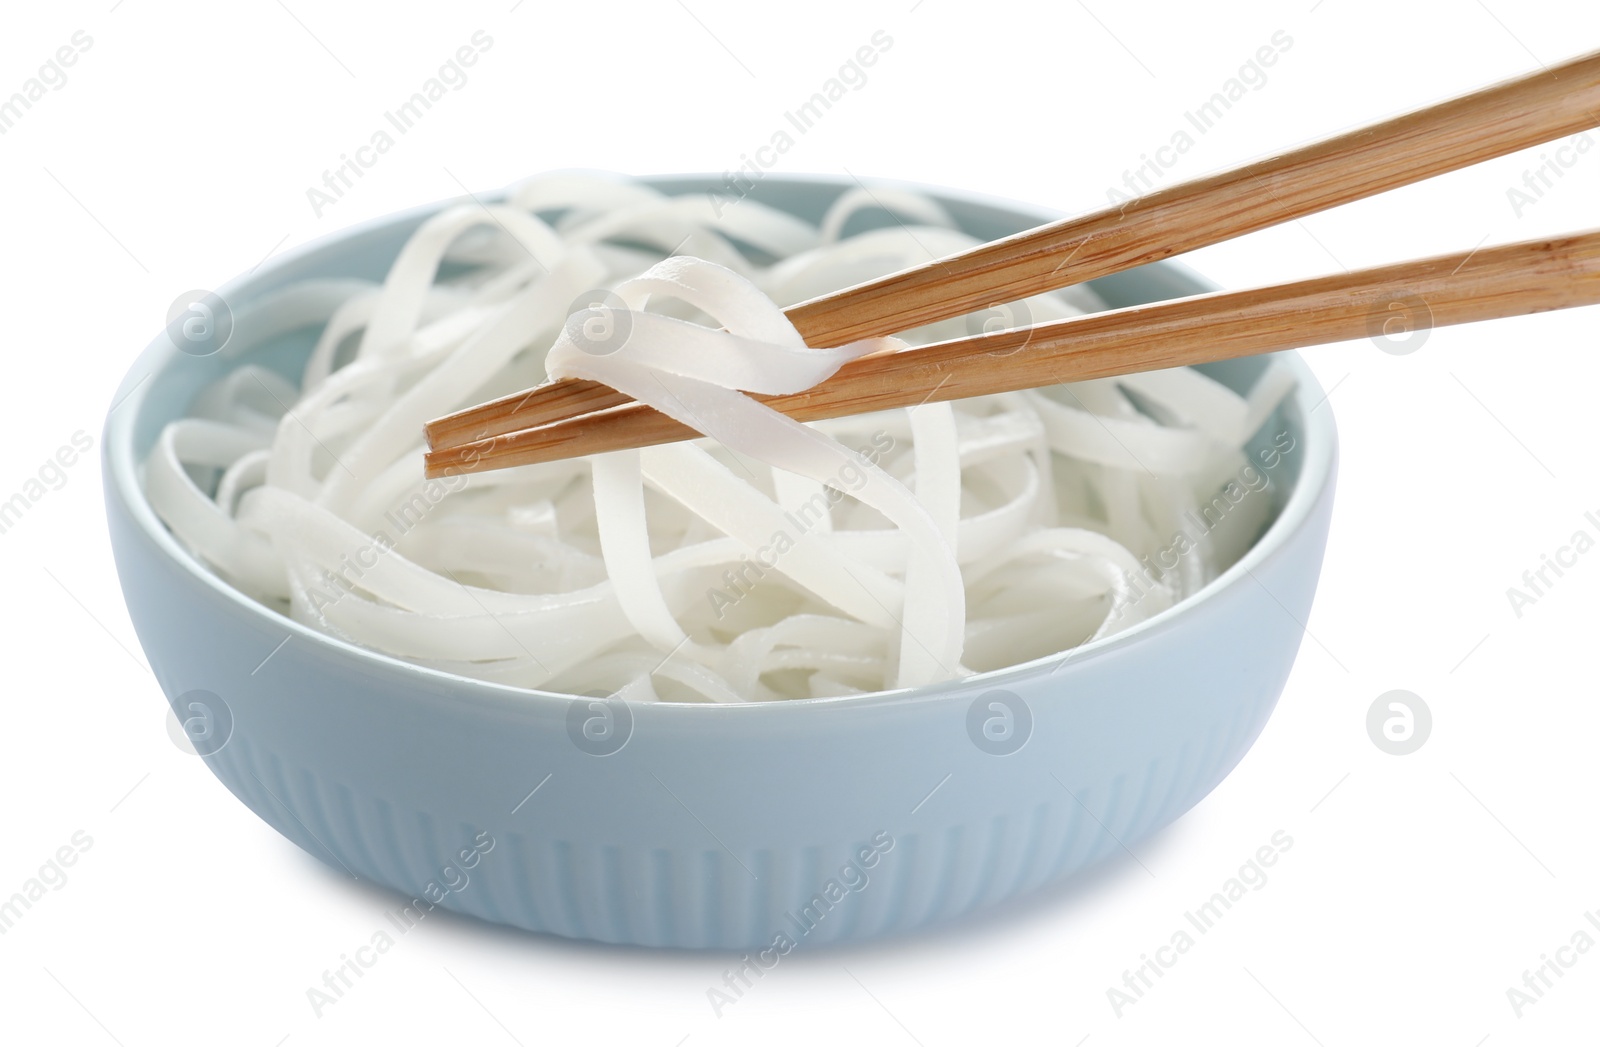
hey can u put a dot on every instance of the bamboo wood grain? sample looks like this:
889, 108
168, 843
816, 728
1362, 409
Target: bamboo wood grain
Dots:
1526, 111
1510, 280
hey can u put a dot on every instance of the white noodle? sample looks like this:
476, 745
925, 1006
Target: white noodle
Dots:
771, 560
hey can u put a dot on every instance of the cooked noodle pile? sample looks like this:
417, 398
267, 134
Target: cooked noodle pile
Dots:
771, 560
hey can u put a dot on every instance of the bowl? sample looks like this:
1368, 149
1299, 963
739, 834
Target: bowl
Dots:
749, 827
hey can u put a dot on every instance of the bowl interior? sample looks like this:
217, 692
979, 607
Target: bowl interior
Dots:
164, 382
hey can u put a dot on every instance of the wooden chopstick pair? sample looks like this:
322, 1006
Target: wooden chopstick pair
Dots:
569, 418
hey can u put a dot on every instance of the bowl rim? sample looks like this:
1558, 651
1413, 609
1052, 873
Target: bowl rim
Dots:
1317, 471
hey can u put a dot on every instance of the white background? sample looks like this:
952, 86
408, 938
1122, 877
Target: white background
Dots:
1418, 888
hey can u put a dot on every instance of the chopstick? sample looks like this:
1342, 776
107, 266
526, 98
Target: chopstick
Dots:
1486, 283
1519, 113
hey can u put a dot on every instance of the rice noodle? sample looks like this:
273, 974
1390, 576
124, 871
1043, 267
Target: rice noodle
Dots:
770, 560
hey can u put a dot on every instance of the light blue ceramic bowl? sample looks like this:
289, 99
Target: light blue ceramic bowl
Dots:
717, 826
